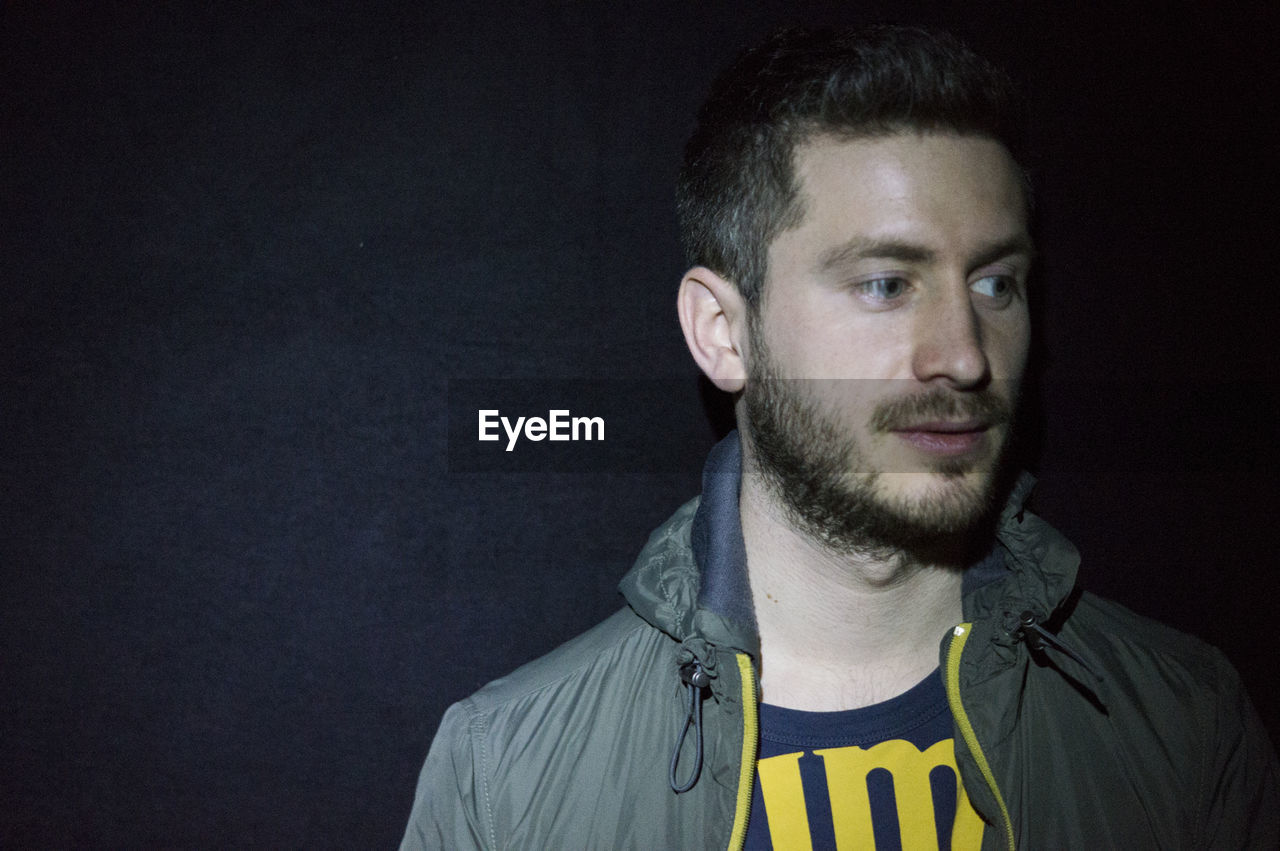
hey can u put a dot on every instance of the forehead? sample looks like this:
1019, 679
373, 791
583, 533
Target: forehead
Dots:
947, 192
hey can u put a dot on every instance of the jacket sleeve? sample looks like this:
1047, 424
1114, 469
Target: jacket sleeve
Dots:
1242, 778
446, 808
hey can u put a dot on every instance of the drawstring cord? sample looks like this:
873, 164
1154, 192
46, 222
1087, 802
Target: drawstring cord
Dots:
695, 679
1037, 637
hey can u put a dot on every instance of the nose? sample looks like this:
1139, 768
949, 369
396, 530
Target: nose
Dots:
948, 346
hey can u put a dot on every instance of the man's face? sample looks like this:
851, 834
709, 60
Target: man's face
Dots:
891, 338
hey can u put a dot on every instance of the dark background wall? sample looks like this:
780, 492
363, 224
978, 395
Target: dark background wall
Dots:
248, 251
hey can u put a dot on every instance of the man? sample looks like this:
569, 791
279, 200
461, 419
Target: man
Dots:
857, 637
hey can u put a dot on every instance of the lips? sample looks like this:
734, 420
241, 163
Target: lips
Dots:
945, 438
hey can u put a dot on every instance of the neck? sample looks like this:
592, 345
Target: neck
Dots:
839, 630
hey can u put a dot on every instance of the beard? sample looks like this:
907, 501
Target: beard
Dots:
821, 473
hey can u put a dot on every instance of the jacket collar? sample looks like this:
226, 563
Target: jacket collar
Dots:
690, 580
716, 540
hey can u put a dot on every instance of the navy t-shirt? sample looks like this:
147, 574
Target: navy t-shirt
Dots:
881, 777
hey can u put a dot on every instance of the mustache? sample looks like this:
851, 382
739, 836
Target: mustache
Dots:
984, 406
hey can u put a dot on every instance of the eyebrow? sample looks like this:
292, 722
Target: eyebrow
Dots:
862, 248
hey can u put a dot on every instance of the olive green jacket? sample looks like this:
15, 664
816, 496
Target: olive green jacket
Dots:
1153, 745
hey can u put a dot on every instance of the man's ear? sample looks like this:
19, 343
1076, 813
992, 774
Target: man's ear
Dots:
713, 315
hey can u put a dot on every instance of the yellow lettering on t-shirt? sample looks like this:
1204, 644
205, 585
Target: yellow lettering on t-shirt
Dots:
847, 769
784, 801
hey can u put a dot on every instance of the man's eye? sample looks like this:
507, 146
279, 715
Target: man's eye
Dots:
997, 287
885, 289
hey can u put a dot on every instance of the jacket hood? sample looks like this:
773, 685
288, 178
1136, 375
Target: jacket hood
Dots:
690, 580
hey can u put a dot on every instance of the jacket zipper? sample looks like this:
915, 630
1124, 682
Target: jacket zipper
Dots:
959, 636
750, 743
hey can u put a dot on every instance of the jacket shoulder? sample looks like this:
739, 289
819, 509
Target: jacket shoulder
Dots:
1177, 699
1116, 623
581, 656
556, 753
1151, 662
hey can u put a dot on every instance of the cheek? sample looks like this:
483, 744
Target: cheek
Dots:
852, 357
1012, 347
831, 341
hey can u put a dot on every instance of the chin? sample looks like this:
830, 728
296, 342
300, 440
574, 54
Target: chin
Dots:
934, 487
937, 503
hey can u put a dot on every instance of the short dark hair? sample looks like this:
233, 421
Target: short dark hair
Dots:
738, 190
